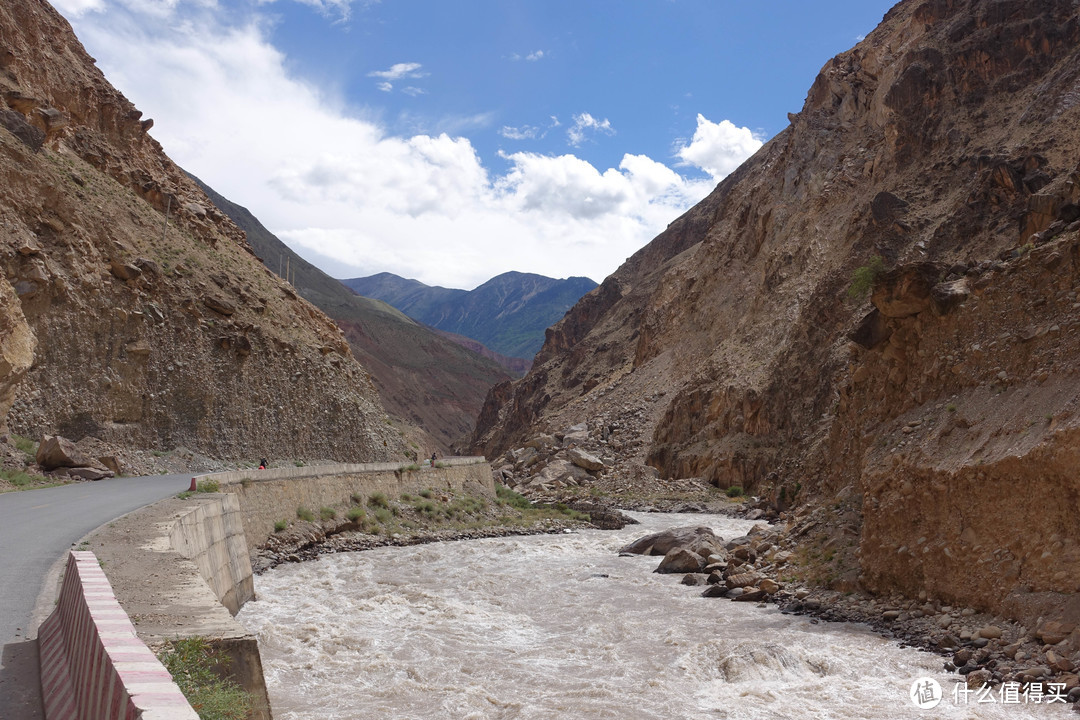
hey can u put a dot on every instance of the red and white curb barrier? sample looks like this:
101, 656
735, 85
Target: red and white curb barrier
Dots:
93, 665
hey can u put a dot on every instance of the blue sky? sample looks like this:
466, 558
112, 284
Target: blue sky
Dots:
453, 141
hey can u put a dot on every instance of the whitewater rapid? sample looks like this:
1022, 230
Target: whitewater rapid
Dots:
560, 626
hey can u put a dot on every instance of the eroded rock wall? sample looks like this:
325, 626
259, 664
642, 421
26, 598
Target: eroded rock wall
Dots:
156, 326
947, 140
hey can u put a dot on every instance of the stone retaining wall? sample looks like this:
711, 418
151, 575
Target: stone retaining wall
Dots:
93, 666
267, 496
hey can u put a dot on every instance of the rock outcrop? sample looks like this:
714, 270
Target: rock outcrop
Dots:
17, 343
941, 409
155, 324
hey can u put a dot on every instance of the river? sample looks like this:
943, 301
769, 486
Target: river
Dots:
560, 626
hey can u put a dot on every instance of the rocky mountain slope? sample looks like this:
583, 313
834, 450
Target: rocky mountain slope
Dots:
936, 419
508, 313
427, 380
155, 324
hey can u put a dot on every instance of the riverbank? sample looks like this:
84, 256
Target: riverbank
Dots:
770, 565
378, 520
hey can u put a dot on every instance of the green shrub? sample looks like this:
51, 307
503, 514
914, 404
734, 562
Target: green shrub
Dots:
194, 665
383, 515
406, 497
409, 468
951, 407
356, 514
304, 514
512, 498
378, 500
427, 493
734, 491
863, 279
280, 525
327, 513
25, 445
21, 478
356, 498
426, 507
207, 486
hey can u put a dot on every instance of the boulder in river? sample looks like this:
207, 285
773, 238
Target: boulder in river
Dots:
681, 560
661, 543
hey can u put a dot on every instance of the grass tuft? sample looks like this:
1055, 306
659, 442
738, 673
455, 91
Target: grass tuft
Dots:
304, 514
195, 665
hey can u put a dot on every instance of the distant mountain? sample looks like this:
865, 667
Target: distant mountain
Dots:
422, 377
508, 313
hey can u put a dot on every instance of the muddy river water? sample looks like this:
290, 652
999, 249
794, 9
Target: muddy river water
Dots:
560, 626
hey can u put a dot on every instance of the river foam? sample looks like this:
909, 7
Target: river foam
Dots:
559, 626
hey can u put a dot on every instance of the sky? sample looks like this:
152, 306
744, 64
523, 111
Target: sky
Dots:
453, 141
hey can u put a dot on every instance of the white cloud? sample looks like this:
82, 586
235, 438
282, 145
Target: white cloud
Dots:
525, 132
531, 57
399, 71
358, 200
585, 124
413, 91
719, 148
75, 8
385, 86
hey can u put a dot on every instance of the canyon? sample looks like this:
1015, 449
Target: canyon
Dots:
937, 413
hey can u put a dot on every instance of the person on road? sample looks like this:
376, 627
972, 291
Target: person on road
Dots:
433, 454
263, 464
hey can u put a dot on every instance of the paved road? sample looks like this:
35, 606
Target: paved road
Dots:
36, 528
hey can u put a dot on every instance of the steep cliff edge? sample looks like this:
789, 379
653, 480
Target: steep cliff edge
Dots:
155, 324
946, 144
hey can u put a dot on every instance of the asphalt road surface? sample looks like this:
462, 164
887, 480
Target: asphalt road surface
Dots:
37, 527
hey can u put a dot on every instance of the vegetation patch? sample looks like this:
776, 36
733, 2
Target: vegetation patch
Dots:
207, 486
378, 500
863, 279
327, 513
280, 525
197, 669
304, 514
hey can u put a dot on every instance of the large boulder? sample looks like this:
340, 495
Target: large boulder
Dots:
681, 560
696, 538
57, 452
584, 460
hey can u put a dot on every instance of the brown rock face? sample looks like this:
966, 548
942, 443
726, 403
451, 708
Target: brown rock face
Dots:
17, 345
946, 143
127, 351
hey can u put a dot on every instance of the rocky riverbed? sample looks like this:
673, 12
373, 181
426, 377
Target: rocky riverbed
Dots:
762, 567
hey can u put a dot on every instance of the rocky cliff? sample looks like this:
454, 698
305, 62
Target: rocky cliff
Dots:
430, 381
155, 324
941, 410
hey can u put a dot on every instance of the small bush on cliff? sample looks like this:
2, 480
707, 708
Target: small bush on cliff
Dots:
195, 666
863, 279
356, 514
378, 500
734, 491
304, 514
280, 525
207, 486
327, 513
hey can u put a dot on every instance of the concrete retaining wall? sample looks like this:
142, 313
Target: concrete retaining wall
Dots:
93, 666
212, 536
267, 496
